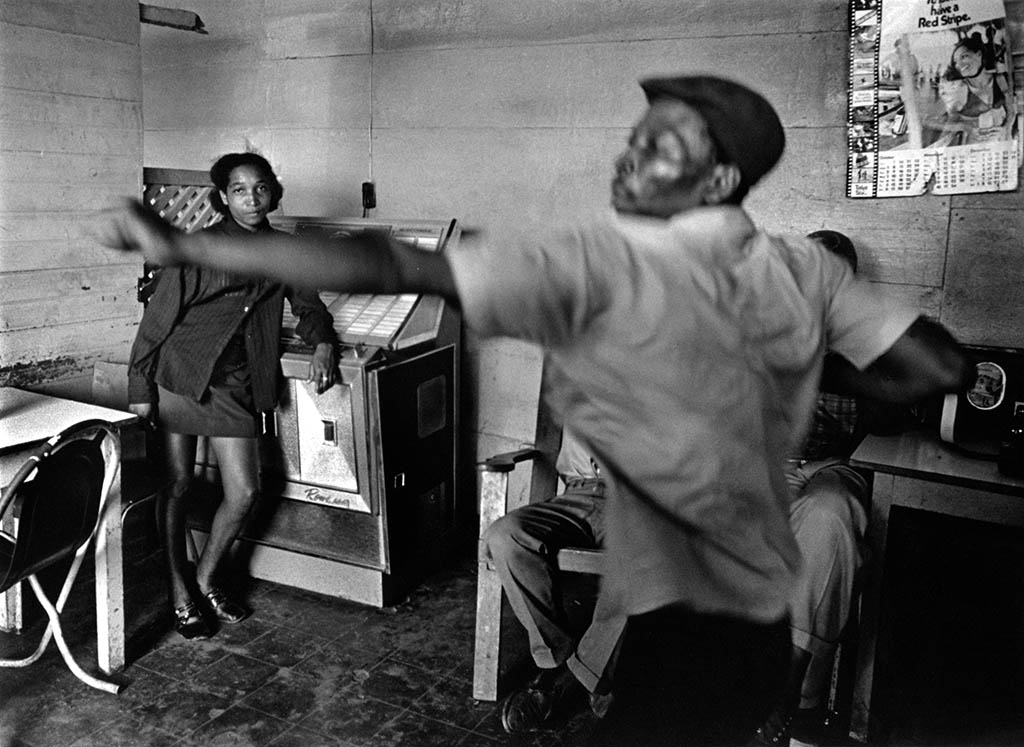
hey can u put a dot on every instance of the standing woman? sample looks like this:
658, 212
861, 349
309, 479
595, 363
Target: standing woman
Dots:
205, 362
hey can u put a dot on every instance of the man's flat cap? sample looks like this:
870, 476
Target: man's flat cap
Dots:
744, 125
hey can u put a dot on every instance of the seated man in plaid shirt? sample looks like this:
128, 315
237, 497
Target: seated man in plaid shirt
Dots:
829, 515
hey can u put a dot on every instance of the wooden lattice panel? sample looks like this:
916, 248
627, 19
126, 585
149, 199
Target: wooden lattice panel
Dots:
181, 197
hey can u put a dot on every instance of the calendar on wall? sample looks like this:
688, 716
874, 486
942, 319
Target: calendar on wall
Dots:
932, 102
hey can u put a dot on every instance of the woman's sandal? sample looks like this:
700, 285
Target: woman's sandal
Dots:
190, 623
227, 610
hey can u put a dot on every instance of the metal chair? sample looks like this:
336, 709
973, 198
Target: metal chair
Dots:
57, 501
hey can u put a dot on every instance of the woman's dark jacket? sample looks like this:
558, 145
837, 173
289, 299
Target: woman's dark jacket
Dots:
193, 315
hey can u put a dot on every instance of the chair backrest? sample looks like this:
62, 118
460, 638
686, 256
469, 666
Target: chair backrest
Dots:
55, 499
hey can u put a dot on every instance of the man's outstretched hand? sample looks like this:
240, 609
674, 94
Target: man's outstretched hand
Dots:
129, 227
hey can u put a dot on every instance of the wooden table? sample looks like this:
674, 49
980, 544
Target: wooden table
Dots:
26, 420
916, 470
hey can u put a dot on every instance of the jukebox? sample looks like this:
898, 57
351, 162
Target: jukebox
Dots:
358, 494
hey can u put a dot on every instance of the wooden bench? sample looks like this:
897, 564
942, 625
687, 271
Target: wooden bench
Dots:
496, 501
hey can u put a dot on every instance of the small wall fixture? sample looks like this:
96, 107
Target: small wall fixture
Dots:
172, 17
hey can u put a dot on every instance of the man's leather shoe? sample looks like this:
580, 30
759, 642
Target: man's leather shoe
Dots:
600, 703
532, 707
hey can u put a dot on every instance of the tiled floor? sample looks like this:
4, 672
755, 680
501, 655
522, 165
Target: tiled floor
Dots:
310, 670
302, 670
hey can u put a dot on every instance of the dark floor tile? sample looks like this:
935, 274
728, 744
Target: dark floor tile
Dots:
478, 740
56, 714
383, 631
412, 730
181, 659
317, 614
571, 729
298, 736
127, 731
288, 695
441, 649
451, 701
577, 728
395, 682
490, 732
238, 726
243, 633
19, 684
311, 670
234, 676
173, 706
348, 714
339, 663
490, 728
284, 647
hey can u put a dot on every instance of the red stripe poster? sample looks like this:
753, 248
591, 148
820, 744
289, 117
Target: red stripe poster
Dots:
932, 106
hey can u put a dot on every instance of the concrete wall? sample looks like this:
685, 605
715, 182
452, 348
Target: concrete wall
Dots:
513, 111
70, 142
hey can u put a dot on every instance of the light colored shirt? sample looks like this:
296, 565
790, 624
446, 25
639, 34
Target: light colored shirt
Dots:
573, 458
686, 353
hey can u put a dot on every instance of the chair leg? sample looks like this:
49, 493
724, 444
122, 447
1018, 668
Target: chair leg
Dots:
62, 598
55, 631
488, 633
58, 635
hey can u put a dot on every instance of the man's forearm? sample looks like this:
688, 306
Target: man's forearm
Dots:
925, 360
370, 264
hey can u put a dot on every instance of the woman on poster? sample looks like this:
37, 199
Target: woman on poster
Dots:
977, 98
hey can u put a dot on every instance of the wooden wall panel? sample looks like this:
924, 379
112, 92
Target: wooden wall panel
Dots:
402, 24
20, 256
235, 31
65, 110
309, 28
594, 85
90, 18
70, 143
898, 241
321, 169
532, 174
43, 60
984, 285
58, 355
230, 94
254, 30
291, 81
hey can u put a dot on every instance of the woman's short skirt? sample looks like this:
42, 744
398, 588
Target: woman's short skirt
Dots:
225, 410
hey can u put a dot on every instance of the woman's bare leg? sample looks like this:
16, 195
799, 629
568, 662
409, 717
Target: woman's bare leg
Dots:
181, 458
238, 461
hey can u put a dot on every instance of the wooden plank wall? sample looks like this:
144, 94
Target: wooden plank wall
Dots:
290, 80
512, 112
70, 143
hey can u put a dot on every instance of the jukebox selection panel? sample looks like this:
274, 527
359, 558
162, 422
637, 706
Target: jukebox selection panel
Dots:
372, 319
362, 319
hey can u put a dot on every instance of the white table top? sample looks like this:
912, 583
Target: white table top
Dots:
27, 418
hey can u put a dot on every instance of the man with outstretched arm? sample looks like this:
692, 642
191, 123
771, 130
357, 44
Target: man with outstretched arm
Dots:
685, 346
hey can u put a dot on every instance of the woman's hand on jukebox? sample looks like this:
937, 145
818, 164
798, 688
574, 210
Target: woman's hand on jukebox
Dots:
323, 368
